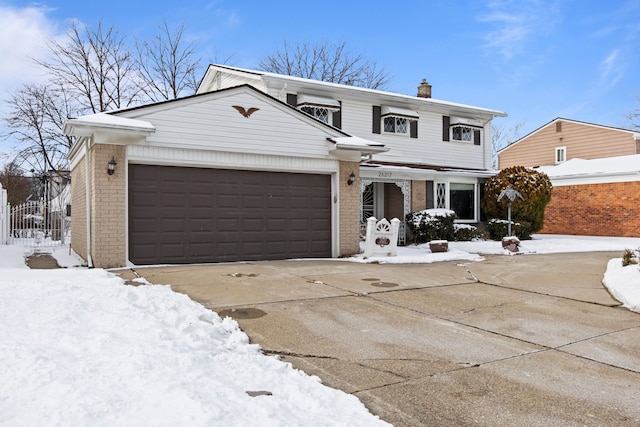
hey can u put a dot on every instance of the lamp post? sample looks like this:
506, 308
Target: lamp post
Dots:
511, 194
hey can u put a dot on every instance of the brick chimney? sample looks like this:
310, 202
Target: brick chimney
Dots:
424, 90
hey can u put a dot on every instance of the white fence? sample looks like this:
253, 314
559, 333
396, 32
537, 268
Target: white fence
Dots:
42, 223
37, 224
4, 217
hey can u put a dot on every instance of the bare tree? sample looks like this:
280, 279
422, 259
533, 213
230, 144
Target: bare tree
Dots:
94, 67
634, 116
167, 65
35, 119
501, 138
326, 62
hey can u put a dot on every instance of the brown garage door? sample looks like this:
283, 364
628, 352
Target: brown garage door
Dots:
184, 215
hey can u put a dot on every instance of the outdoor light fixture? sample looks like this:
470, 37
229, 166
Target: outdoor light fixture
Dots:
111, 166
351, 179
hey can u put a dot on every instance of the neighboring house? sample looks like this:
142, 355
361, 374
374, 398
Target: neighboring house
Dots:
599, 197
595, 172
563, 139
262, 166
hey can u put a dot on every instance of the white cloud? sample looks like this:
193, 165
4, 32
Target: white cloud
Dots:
24, 33
611, 69
515, 23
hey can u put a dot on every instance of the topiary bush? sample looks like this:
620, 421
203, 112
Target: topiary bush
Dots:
431, 224
535, 188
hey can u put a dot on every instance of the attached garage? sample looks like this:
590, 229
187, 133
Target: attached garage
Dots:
194, 180
181, 215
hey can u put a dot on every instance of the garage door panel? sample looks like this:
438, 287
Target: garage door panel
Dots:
186, 215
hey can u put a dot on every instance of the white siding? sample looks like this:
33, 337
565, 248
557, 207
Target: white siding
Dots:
215, 159
213, 124
428, 148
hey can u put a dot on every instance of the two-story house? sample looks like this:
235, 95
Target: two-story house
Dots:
595, 172
264, 166
438, 154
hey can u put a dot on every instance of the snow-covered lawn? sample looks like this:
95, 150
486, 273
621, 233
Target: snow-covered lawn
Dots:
78, 347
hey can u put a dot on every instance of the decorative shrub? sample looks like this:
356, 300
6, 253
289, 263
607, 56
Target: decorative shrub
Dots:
535, 188
498, 228
466, 232
431, 224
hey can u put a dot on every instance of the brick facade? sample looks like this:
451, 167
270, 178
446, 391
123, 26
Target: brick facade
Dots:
107, 207
611, 209
418, 196
349, 209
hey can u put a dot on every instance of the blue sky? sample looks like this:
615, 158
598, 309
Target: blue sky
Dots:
534, 59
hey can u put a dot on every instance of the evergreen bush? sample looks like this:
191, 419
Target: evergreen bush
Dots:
431, 224
534, 186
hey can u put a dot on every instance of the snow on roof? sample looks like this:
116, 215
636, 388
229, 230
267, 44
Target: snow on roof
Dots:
106, 120
621, 165
376, 92
357, 143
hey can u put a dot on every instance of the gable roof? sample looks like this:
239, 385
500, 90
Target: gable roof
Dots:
634, 133
285, 82
127, 121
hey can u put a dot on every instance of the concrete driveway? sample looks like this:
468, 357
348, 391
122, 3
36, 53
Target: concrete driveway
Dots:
529, 340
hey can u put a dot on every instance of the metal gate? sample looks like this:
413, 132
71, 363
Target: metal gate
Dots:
38, 224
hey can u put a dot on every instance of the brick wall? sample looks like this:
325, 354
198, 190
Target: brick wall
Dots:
418, 196
611, 209
349, 209
108, 239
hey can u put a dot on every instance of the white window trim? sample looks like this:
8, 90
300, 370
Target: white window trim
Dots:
472, 128
476, 194
562, 150
316, 107
406, 128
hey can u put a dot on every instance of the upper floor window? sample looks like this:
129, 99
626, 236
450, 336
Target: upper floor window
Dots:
395, 124
319, 113
462, 129
561, 154
461, 133
326, 110
395, 120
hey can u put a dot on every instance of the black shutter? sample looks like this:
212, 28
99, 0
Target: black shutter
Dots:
292, 99
337, 117
445, 128
476, 137
377, 113
430, 203
413, 128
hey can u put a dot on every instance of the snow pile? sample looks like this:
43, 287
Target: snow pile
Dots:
623, 283
78, 347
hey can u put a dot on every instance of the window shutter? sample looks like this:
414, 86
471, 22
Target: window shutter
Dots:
445, 128
292, 99
430, 204
476, 137
413, 128
337, 117
377, 113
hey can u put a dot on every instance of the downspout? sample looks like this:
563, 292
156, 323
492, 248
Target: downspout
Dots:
88, 201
